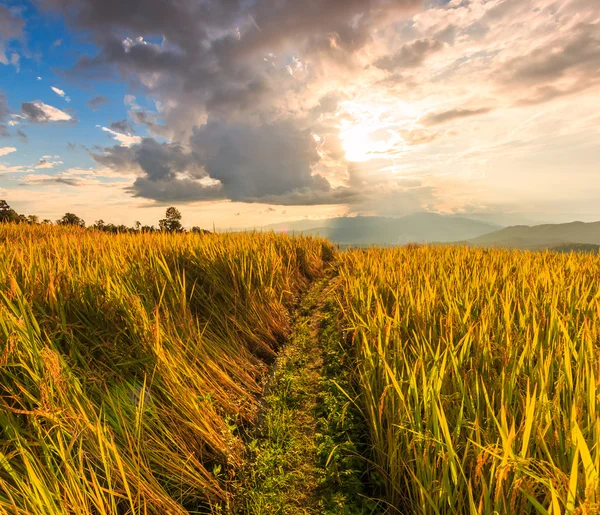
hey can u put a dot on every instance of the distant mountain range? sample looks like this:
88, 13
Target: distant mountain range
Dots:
542, 236
435, 228
416, 228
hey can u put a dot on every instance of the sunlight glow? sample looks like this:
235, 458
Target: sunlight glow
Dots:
372, 131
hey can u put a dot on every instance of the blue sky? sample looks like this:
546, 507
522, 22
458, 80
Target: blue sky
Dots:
47, 52
250, 113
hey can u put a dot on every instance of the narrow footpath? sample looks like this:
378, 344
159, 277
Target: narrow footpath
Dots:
304, 458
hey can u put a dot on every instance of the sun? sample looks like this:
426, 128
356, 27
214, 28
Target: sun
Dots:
371, 131
357, 143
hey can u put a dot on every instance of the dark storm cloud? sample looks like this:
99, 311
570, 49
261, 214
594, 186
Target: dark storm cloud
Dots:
210, 65
257, 162
410, 55
452, 114
214, 72
97, 102
157, 161
269, 163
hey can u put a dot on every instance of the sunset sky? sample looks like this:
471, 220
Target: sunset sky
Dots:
250, 112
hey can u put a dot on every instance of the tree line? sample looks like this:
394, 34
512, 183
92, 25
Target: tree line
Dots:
170, 223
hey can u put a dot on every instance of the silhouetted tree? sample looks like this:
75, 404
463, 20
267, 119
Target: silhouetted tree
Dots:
33, 219
172, 221
71, 219
198, 230
7, 214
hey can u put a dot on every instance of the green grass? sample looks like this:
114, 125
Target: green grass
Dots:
305, 456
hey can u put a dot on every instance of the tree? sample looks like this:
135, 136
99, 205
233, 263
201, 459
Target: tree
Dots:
100, 225
172, 221
33, 219
198, 230
71, 219
7, 214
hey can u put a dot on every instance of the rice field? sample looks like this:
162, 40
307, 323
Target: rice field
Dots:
132, 368
478, 373
131, 365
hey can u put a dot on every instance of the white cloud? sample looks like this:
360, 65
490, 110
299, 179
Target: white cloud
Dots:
41, 113
14, 169
46, 163
7, 150
125, 140
60, 93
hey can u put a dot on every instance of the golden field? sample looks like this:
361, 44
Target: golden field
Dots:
130, 364
132, 368
479, 374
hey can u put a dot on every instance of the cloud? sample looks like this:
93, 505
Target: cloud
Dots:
23, 136
97, 102
232, 81
7, 150
44, 180
265, 163
60, 93
272, 163
47, 162
559, 67
125, 139
211, 58
453, 114
410, 55
121, 126
38, 112
11, 28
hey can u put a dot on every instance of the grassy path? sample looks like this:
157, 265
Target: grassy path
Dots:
304, 457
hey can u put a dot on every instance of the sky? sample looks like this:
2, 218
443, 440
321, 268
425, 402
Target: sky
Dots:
251, 112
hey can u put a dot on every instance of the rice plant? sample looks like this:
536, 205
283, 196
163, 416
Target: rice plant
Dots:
479, 373
130, 365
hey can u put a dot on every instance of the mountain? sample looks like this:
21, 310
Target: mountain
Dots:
541, 236
416, 228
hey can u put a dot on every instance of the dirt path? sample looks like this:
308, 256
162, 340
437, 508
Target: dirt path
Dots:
304, 459
285, 476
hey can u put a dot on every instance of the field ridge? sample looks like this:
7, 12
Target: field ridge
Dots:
303, 457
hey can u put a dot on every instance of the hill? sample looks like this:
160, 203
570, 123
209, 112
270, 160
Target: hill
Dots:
364, 230
541, 236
